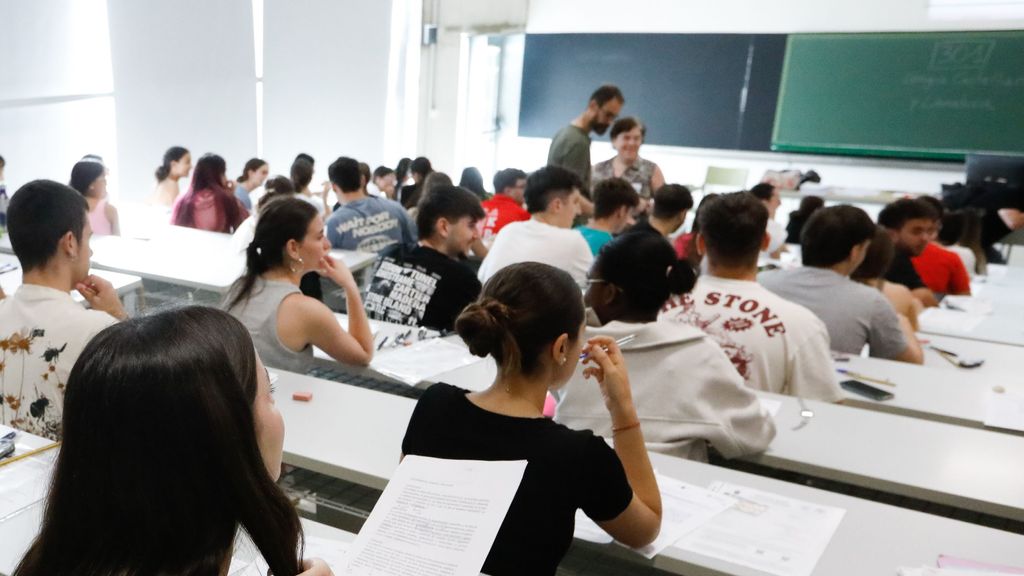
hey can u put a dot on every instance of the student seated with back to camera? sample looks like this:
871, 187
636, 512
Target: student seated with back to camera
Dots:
686, 392
614, 202
434, 286
364, 222
286, 324
671, 203
530, 319
173, 435
834, 243
553, 201
42, 329
774, 344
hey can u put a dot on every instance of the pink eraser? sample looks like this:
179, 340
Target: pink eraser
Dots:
302, 396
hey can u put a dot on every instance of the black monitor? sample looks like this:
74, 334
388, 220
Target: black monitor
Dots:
993, 169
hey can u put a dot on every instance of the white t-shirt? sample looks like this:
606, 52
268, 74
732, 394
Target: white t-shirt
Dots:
777, 235
776, 345
535, 241
42, 332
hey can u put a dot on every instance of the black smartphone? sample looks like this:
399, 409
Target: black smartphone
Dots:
858, 387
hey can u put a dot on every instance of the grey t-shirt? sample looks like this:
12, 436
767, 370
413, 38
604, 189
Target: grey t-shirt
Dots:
570, 149
854, 314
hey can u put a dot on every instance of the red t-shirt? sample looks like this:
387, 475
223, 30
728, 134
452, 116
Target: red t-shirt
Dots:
942, 271
500, 210
683, 243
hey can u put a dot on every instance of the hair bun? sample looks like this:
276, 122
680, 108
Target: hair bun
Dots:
483, 326
681, 277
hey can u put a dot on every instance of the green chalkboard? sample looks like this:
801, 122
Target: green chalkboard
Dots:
912, 95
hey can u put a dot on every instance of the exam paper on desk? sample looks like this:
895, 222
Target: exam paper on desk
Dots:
685, 508
765, 531
436, 517
24, 483
948, 321
422, 360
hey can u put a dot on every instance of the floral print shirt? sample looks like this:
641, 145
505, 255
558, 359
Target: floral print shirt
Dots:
42, 332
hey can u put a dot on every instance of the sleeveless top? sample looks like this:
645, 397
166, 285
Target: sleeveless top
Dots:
98, 221
640, 173
259, 315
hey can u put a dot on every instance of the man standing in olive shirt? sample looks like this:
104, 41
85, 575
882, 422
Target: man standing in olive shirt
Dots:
570, 148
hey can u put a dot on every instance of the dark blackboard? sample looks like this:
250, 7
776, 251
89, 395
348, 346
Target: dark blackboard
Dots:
921, 95
694, 90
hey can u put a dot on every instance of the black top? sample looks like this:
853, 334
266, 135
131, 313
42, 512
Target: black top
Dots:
566, 470
992, 226
409, 195
901, 271
425, 288
642, 226
794, 228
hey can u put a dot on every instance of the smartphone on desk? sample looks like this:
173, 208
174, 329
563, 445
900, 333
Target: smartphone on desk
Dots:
862, 389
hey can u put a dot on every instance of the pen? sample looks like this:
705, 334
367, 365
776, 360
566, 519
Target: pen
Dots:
853, 374
382, 342
620, 342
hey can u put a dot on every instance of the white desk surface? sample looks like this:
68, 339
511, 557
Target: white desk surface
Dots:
18, 531
953, 395
1004, 288
329, 435
972, 469
999, 359
123, 283
188, 257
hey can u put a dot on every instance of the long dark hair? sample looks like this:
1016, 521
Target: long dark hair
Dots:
83, 174
208, 174
279, 221
160, 464
522, 309
173, 154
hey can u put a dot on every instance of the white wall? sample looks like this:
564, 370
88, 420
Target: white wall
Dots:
183, 76
688, 165
325, 81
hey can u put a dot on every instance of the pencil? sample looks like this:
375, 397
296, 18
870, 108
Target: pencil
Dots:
29, 453
619, 342
863, 377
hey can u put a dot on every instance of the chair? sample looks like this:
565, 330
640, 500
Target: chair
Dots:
1015, 238
719, 178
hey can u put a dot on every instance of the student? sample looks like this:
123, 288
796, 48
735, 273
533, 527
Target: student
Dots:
614, 201
177, 164
402, 173
284, 323
872, 270
209, 203
940, 269
302, 175
383, 185
797, 218
506, 206
552, 198
570, 147
473, 181
419, 169
274, 189
769, 196
686, 392
42, 329
90, 180
686, 247
627, 136
774, 344
960, 233
430, 286
909, 223
835, 240
254, 174
671, 203
530, 319
364, 222
173, 436
1002, 212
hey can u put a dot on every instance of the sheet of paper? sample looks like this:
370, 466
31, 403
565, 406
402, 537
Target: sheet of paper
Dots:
929, 571
436, 517
6, 431
329, 550
767, 532
24, 482
418, 362
956, 563
1004, 410
977, 305
685, 508
770, 405
943, 321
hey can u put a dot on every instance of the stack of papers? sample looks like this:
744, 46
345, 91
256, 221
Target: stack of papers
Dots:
422, 360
